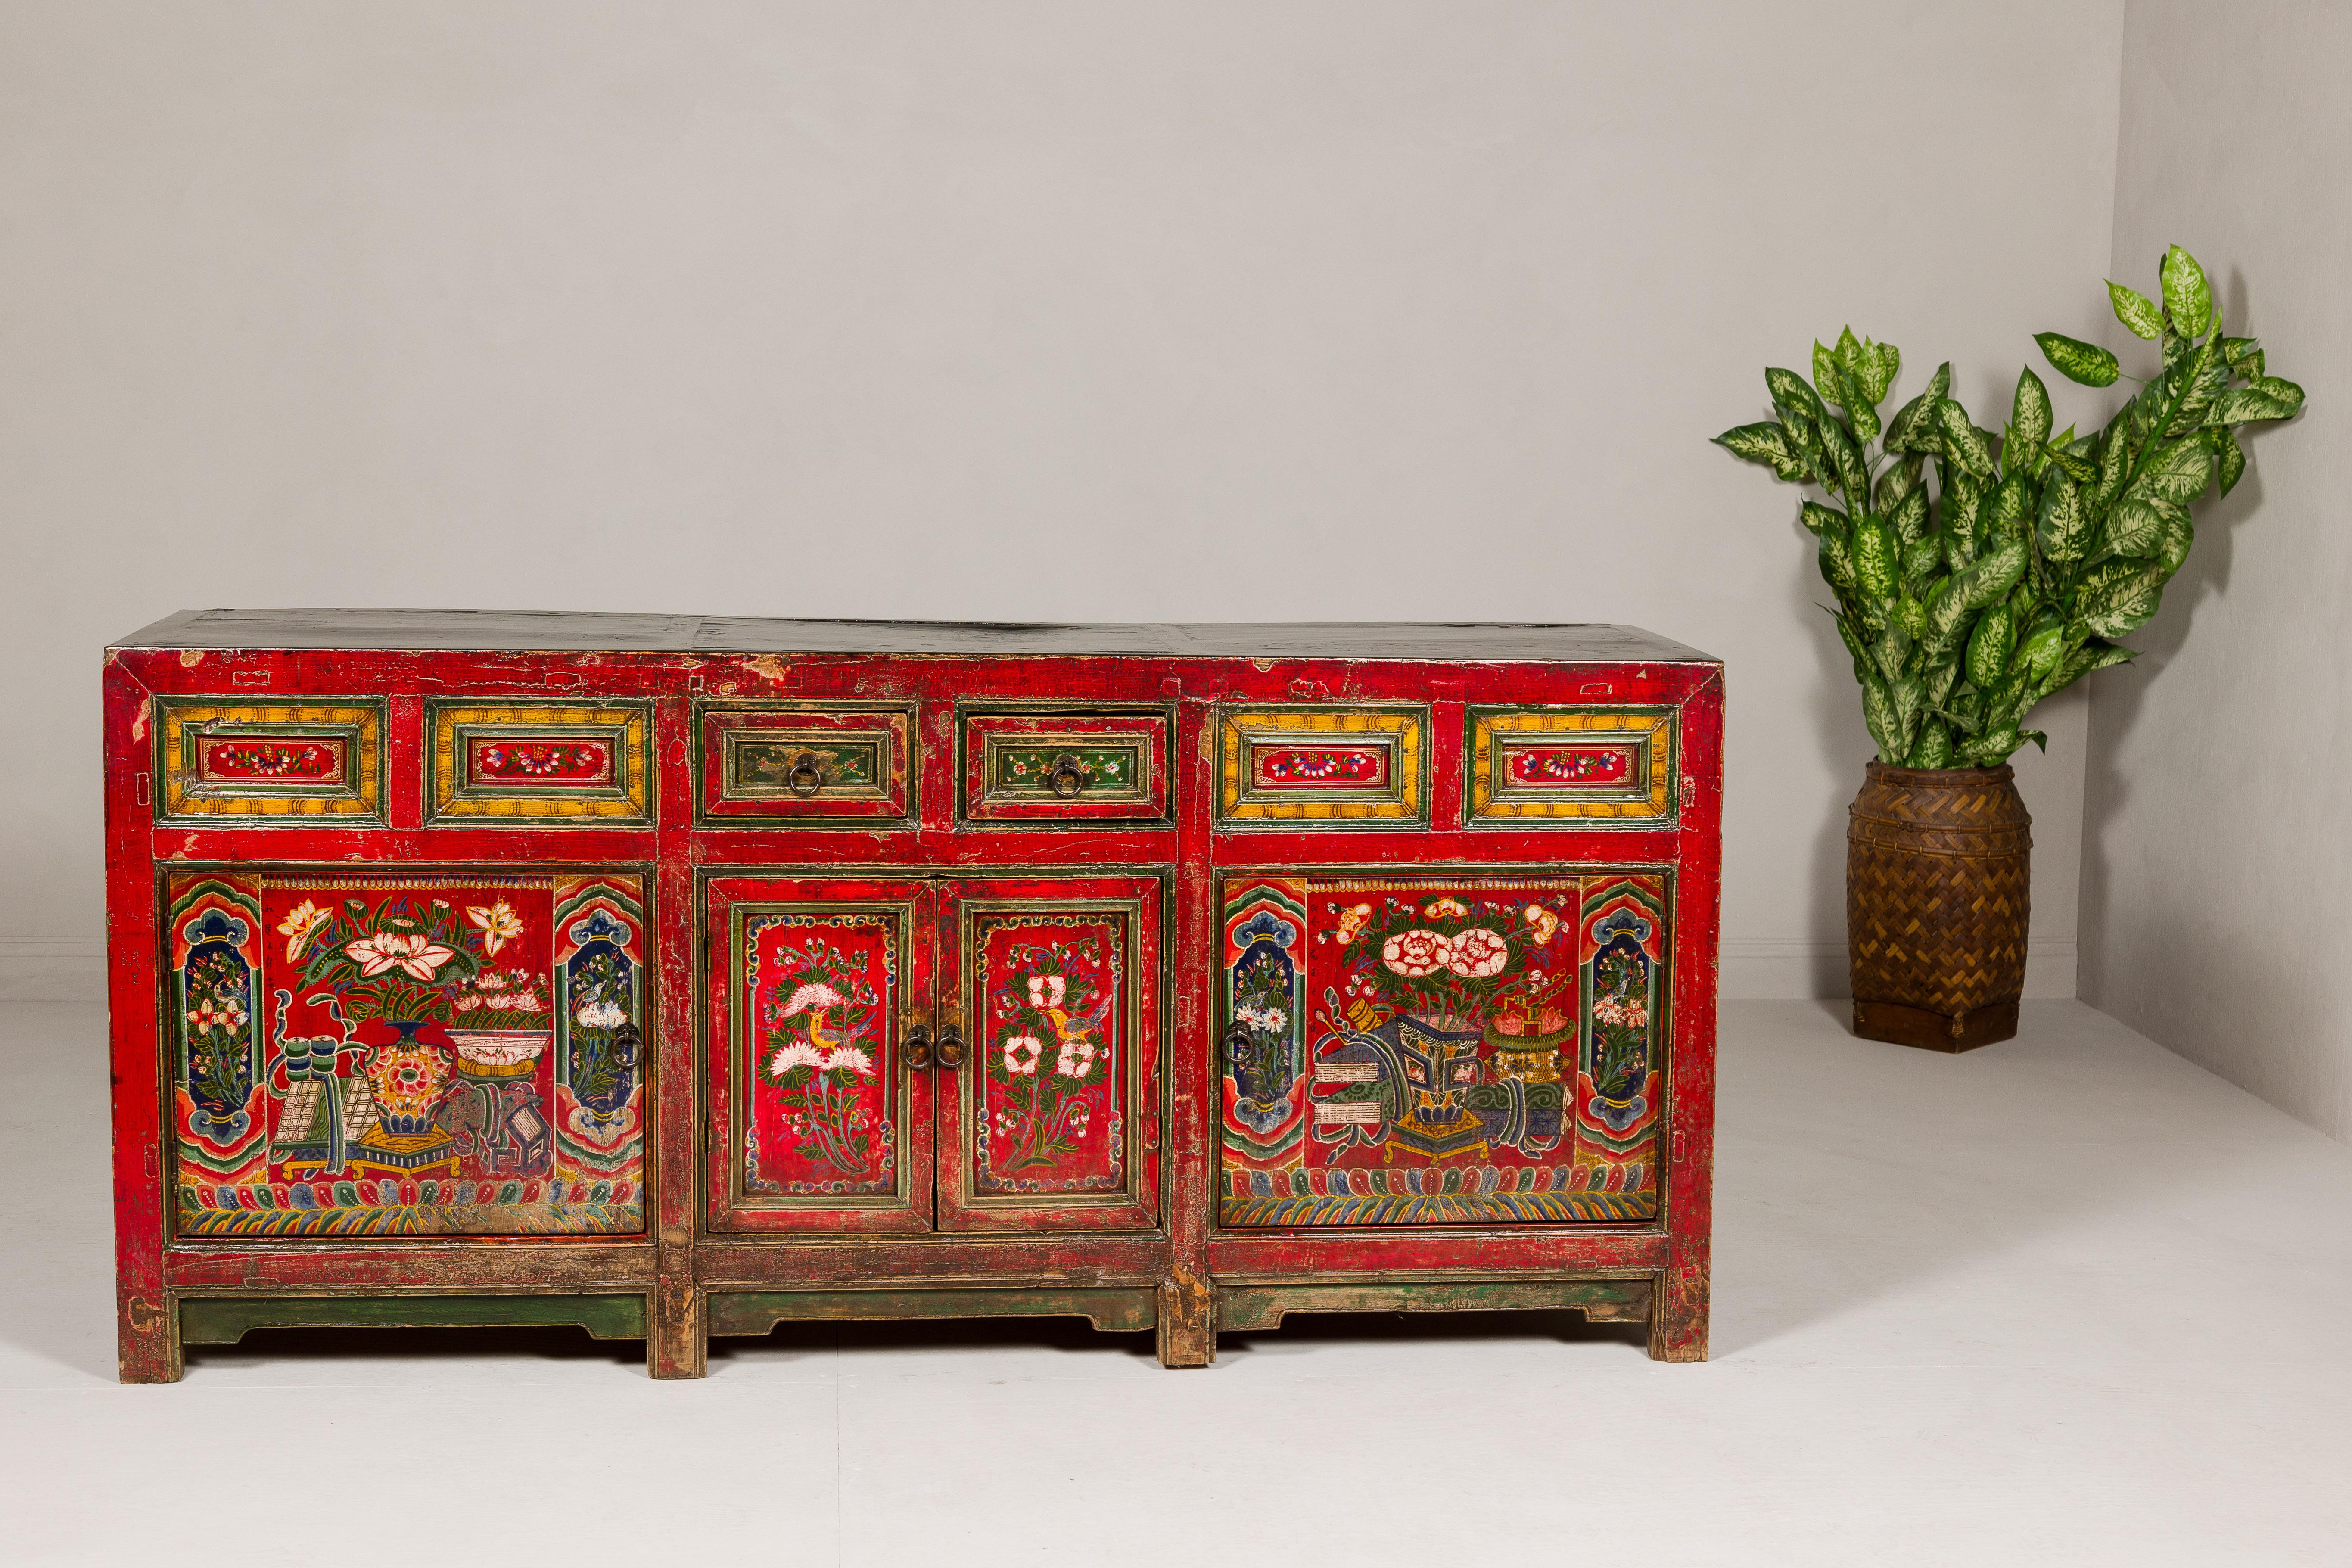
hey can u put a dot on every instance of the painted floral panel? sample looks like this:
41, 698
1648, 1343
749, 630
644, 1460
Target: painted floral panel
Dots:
407, 1054
1052, 1064
1424, 1052
820, 991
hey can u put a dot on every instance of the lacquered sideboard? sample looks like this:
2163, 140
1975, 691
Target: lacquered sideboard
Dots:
681, 976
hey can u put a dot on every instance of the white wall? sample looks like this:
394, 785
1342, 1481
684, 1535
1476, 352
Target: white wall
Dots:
2217, 905
1192, 311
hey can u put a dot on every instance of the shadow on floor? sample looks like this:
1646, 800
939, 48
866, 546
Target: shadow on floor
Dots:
1071, 1335
551, 1343
1303, 1333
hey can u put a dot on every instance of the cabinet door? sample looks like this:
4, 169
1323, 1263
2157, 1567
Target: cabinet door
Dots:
1052, 1121
817, 1122
1430, 1050
412, 1052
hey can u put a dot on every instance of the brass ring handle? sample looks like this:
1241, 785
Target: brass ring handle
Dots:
949, 1050
807, 776
1067, 778
919, 1048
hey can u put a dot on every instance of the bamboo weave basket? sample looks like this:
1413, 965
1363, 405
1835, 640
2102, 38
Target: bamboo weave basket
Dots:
1938, 903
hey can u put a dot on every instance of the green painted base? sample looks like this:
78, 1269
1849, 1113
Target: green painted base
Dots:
1243, 1308
225, 1320
754, 1312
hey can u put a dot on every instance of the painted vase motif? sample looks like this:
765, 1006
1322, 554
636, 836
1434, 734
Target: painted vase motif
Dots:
407, 1078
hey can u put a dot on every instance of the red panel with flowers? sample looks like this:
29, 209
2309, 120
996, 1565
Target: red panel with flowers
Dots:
385, 1054
1060, 1094
811, 987
1413, 1051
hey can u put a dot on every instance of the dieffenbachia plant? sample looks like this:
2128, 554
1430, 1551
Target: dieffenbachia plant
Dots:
2036, 550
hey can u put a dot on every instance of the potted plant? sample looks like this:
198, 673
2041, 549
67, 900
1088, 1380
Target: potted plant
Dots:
1966, 601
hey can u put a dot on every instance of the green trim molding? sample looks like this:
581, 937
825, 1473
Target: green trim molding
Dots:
225, 1320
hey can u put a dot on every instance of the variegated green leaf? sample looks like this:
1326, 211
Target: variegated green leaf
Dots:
2137, 312
2178, 470
1869, 368
1845, 461
1913, 429
1819, 519
1836, 559
1878, 714
2232, 457
1828, 377
2188, 297
2011, 503
1989, 646
1888, 362
1874, 563
2066, 522
1920, 557
1910, 614
2028, 417
1941, 678
1998, 571
2172, 545
2077, 361
2113, 604
1899, 479
1851, 635
1963, 442
1960, 543
1964, 496
1910, 695
1790, 390
2269, 398
2045, 646
2138, 523
1933, 749
1864, 418
1946, 604
2091, 655
1908, 517
2081, 470
1767, 443
2115, 463
1892, 651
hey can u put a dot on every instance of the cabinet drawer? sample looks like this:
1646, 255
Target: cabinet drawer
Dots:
1456, 1047
271, 762
527, 762
1066, 765
1362, 766
1532, 765
810, 764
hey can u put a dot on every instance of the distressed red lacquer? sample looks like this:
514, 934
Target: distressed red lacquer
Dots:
856, 1012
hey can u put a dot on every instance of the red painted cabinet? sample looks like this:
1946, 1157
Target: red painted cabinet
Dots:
678, 976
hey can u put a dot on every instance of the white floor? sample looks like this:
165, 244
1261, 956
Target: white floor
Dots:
2067, 1300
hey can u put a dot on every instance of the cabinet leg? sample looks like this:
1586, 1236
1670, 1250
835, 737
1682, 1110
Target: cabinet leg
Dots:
1678, 1307
676, 1329
1187, 1318
148, 1348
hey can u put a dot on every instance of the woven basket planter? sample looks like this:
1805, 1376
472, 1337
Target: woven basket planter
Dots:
1937, 896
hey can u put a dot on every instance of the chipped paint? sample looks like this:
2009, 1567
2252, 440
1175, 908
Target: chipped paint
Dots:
774, 667
191, 656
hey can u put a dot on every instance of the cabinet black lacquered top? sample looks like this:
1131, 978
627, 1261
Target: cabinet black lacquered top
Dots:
508, 631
